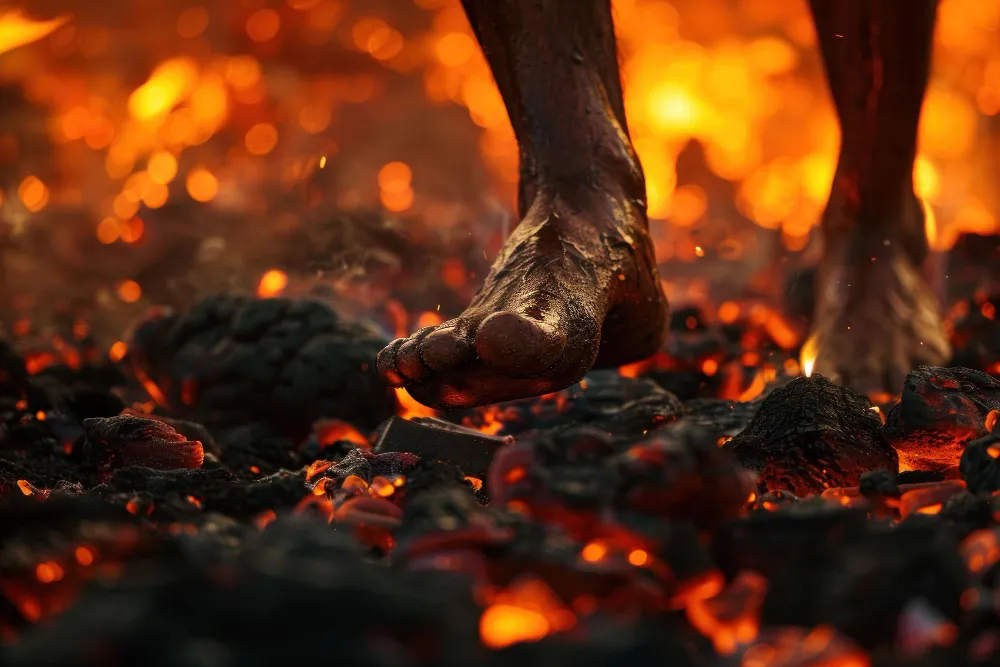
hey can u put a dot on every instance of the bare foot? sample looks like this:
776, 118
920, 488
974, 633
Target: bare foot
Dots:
575, 286
876, 317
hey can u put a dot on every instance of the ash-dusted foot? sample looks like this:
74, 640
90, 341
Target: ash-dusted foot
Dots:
576, 283
876, 319
575, 286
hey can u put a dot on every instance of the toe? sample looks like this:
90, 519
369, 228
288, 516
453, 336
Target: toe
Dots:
408, 360
444, 348
386, 364
517, 345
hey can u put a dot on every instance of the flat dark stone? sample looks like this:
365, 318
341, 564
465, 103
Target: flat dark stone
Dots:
435, 439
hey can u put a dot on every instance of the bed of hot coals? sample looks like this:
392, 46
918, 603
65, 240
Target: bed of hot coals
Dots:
239, 489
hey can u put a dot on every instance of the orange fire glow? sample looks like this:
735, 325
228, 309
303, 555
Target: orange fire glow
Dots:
730, 619
525, 612
409, 408
741, 79
807, 357
16, 29
272, 284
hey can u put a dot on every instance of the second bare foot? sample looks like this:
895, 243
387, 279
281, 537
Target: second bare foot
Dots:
876, 317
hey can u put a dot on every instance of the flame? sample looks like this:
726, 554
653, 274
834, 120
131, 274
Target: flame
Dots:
167, 85
931, 226
760, 380
317, 468
807, 357
17, 29
409, 408
781, 330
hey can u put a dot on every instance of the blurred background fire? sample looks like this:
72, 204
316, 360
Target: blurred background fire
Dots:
155, 150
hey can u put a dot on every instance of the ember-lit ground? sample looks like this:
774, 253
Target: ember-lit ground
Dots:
154, 153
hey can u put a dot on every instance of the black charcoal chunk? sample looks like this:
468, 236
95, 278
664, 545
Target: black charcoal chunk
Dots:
980, 467
793, 535
285, 362
879, 484
627, 407
811, 435
864, 583
681, 473
941, 410
570, 465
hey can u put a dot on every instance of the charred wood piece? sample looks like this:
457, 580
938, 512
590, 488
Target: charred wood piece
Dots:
127, 440
812, 434
941, 410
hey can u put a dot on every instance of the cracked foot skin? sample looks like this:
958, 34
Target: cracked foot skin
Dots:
876, 317
574, 287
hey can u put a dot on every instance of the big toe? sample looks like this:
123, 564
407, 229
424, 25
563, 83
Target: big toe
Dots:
517, 345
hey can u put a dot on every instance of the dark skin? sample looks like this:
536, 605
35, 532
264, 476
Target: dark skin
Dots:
576, 286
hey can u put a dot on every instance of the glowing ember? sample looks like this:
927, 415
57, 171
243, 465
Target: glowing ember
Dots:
525, 612
638, 557
118, 351
354, 482
272, 284
129, 291
49, 572
33, 194
594, 552
84, 556
981, 550
317, 468
262, 520
381, 487
202, 185
503, 624
730, 619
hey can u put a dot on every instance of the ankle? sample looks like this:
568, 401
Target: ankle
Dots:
610, 169
871, 215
